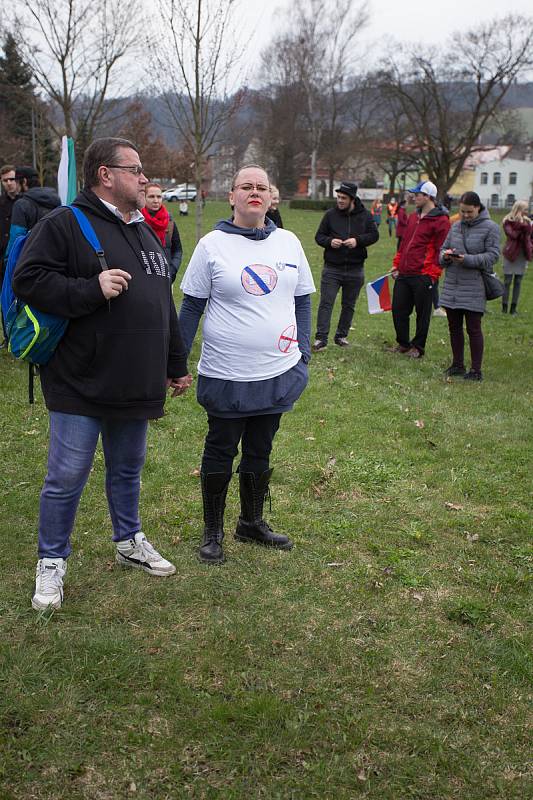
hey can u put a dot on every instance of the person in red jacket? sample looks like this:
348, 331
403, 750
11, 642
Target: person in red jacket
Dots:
416, 267
401, 225
518, 250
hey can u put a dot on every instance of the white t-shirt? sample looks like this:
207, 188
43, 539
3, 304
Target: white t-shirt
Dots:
249, 329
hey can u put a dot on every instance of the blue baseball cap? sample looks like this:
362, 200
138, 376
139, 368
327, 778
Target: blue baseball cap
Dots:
424, 187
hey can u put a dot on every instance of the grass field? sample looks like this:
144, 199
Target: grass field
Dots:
388, 656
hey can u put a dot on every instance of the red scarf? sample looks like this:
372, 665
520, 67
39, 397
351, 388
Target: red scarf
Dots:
158, 222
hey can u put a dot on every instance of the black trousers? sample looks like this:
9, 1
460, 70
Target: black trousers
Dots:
255, 434
412, 291
350, 281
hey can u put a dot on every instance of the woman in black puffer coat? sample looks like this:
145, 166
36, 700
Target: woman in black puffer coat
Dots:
471, 247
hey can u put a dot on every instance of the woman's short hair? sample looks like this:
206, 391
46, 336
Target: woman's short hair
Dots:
153, 185
99, 153
246, 166
471, 199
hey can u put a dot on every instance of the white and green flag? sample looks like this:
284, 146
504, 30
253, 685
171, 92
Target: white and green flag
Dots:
66, 175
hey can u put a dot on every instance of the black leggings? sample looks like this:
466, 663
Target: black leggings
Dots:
256, 435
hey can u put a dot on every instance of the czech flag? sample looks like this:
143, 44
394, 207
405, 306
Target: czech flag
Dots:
378, 295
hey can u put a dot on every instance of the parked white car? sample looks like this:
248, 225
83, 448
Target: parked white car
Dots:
178, 193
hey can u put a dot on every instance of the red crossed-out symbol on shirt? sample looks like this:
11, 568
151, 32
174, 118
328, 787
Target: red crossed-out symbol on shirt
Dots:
287, 338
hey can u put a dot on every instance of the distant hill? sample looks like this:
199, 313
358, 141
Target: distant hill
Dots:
520, 96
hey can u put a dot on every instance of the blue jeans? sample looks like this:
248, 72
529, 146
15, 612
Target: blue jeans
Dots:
73, 441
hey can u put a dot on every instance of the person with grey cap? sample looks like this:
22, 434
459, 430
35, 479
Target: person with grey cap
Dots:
345, 233
416, 267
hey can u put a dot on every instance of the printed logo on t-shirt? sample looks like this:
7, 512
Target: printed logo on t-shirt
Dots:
155, 264
258, 279
287, 341
280, 265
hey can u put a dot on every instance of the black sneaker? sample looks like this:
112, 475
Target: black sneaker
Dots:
453, 370
318, 344
342, 341
473, 376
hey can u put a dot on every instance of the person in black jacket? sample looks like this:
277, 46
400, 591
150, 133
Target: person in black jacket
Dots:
110, 372
345, 232
164, 227
273, 211
33, 203
7, 201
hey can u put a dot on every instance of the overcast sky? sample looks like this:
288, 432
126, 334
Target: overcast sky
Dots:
423, 21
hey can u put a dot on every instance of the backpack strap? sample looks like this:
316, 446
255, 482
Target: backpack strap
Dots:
89, 233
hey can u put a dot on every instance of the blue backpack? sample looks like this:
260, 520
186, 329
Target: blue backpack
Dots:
33, 335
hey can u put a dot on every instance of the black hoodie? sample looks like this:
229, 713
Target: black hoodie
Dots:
337, 224
115, 357
34, 204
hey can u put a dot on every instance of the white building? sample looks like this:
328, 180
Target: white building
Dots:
502, 181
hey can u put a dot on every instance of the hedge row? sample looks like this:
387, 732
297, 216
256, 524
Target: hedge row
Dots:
314, 205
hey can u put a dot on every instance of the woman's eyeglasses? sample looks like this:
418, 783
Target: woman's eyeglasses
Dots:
247, 187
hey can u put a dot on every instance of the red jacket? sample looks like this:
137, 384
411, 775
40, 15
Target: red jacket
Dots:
421, 243
518, 240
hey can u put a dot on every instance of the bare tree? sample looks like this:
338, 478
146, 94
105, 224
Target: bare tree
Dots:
280, 108
390, 144
320, 49
200, 59
73, 48
450, 99
349, 129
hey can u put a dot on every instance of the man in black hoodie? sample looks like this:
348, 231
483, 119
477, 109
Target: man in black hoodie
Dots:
345, 232
110, 372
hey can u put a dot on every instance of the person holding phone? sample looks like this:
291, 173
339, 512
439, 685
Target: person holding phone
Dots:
472, 246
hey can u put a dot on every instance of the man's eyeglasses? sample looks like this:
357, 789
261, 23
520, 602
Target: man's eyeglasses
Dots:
247, 187
135, 169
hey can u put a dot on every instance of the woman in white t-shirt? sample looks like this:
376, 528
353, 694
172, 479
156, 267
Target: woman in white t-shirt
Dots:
254, 283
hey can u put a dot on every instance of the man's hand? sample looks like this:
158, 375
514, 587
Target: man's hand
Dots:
394, 273
113, 282
336, 243
351, 243
179, 385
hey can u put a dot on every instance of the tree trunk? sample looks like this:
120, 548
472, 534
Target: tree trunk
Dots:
331, 180
199, 205
313, 185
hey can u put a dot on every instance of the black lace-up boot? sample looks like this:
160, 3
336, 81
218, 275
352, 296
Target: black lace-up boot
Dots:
214, 491
251, 526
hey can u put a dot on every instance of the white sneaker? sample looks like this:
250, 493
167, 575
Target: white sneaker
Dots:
49, 583
139, 554
439, 312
